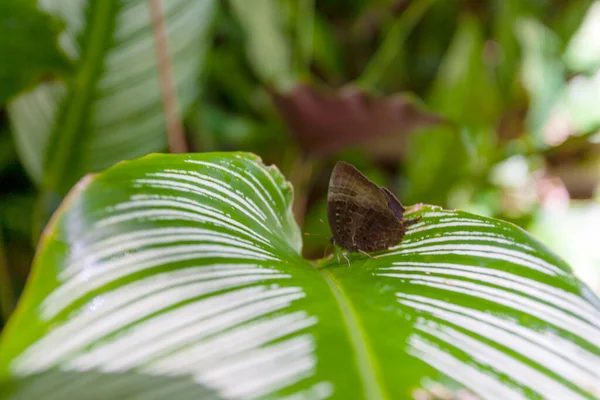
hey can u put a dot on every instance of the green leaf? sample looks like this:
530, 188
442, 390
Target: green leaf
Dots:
542, 73
28, 41
189, 266
390, 50
579, 247
583, 51
441, 157
326, 52
464, 75
559, 108
507, 46
111, 109
437, 161
579, 106
267, 46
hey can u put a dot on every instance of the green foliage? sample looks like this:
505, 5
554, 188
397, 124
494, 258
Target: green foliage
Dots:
111, 109
439, 158
389, 51
190, 265
464, 74
542, 73
28, 43
268, 50
206, 250
578, 54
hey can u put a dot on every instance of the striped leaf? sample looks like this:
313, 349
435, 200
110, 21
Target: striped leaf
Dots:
181, 277
111, 108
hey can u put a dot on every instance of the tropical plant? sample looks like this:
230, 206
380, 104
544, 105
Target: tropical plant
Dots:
109, 107
180, 276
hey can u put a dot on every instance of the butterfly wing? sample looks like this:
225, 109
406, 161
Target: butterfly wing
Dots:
394, 203
379, 231
362, 216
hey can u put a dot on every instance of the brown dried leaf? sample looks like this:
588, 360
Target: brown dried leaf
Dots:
327, 122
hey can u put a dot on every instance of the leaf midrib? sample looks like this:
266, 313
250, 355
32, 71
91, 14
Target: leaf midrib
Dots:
64, 139
365, 363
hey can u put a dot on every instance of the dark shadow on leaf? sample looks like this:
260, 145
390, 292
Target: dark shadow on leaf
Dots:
93, 385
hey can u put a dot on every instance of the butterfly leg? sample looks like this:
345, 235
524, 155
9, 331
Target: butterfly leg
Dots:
365, 253
327, 248
346, 257
409, 222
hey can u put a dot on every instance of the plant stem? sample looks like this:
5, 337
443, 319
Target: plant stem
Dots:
388, 51
175, 132
300, 176
7, 293
65, 143
304, 35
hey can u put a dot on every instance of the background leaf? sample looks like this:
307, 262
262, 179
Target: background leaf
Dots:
111, 109
437, 162
542, 73
28, 42
583, 52
464, 74
189, 266
326, 122
267, 47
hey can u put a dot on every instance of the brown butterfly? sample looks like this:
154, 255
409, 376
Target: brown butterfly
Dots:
363, 216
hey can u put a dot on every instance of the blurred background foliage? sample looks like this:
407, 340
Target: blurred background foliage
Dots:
488, 106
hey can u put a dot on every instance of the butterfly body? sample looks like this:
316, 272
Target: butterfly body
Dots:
363, 216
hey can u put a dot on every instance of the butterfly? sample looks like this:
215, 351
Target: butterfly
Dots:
362, 216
